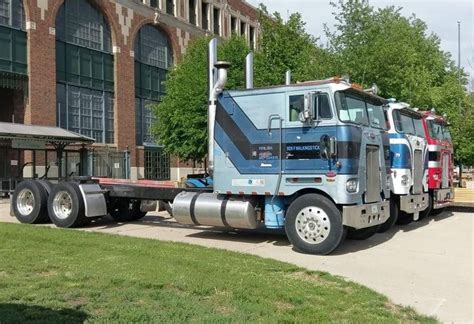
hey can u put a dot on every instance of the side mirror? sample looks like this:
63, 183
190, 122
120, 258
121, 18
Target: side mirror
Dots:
324, 147
333, 147
307, 114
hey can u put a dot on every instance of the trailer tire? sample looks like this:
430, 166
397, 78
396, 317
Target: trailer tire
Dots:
127, 211
392, 220
29, 202
313, 224
48, 186
363, 233
66, 206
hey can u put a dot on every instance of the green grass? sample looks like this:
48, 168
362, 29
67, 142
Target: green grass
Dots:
54, 275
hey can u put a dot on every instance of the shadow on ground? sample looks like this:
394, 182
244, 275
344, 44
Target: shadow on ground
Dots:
260, 236
21, 313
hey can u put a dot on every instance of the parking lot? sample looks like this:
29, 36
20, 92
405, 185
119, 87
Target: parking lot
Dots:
427, 265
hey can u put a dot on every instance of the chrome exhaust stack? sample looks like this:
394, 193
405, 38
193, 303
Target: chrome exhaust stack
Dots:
249, 71
288, 77
217, 82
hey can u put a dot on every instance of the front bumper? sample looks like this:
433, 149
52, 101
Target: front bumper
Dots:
443, 197
414, 203
368, 215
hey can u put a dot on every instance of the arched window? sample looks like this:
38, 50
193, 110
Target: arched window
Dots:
84, 69
152, 61
12, 37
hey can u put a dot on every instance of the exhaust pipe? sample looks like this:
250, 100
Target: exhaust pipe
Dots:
217, 82
288, 77
249, 71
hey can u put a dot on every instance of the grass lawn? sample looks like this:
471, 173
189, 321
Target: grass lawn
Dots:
55, 275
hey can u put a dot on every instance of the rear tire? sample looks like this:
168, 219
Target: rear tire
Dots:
66, 206
127, 211
29, 203
313, 224
392, 220
363, 233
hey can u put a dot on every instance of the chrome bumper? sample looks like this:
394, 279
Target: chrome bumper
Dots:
443, 197
368, 215
414, 203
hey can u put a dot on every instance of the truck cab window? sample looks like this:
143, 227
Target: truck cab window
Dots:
351, 109
419, 130
296, 106
324, 106
407, 124
376, 115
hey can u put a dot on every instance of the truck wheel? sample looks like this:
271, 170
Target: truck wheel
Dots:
392, 219
66, 206
313, 224
404, 218
127, 211
29, 203
363, 233
428, 209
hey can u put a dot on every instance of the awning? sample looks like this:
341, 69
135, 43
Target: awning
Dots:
33, 137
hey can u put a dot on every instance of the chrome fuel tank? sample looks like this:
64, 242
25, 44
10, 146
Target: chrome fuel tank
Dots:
195, 208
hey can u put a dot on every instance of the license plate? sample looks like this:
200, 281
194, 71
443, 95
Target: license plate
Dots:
374, 209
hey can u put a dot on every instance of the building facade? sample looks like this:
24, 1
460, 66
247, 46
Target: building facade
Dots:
96, 66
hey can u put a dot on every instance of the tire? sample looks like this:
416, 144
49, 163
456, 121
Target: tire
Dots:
436, 212
325, 231
404, 218
29, 203
392, 220
363, 233
48, 186
66, 206
127, 211
428, 209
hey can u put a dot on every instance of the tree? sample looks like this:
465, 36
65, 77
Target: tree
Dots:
406, 62
181, 118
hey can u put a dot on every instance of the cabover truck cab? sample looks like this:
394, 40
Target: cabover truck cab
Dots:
312, 158
440, 165
409, 164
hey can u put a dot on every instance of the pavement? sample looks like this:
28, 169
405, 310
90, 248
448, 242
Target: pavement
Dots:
427, 265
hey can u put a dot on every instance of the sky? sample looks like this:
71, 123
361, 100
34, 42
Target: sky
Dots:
441, 17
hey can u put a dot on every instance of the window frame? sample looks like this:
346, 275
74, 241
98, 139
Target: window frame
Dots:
302, 94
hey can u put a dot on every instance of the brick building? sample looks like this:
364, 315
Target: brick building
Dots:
94, 66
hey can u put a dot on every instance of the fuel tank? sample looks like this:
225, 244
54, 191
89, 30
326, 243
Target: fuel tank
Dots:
195, 208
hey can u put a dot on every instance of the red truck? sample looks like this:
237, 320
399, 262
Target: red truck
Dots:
440, 162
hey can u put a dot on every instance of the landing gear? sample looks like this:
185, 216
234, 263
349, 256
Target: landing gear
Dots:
313, 224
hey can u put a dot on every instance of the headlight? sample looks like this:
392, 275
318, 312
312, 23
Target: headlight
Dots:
404, 180
351, 185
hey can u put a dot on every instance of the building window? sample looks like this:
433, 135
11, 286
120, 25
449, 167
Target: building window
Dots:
12, 14
154, 3
252, 37
152, 62
217, 21
84, 71
170, 7
192, 12
233, 24
243, 29
205, 16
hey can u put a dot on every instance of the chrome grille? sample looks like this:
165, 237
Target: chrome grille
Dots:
372, 192
418, 172
445, 175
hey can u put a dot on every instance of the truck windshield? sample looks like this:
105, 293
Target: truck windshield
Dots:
435, 129
355, 108
419, 130
446, 133
407, 123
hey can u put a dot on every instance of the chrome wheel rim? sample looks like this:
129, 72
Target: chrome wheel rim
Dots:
62, 205
312, 225
25, 202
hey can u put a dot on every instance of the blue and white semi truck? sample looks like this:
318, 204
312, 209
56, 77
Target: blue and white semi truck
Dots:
310, 158
409, 164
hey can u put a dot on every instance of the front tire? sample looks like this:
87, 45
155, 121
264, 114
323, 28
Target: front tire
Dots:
428, 210
29, 203
66, 206
392, 220
363, 233
313, 224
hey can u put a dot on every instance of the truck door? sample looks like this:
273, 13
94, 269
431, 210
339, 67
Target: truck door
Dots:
302, 152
